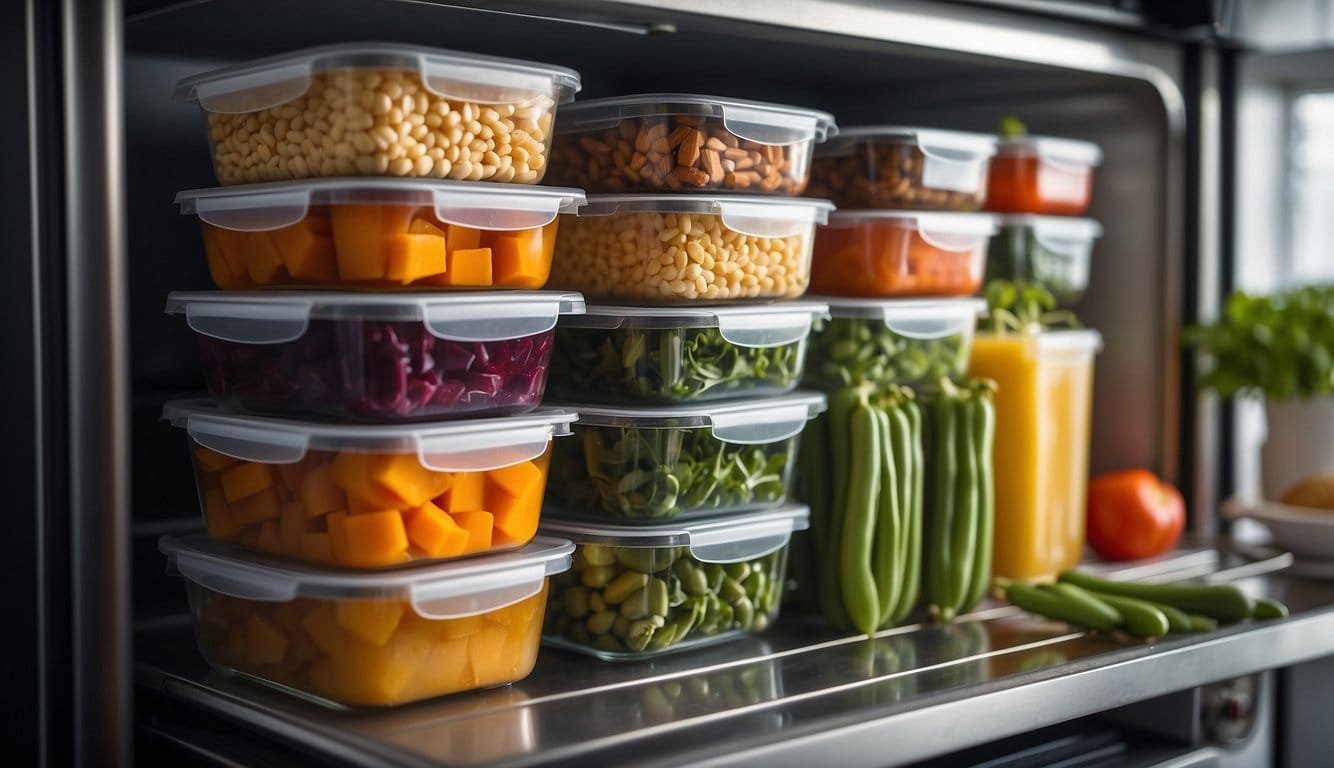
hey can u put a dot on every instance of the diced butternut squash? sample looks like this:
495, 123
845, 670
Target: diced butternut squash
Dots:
371, 620
445, 668
373, 674
518, 259
209, 460
218, 517
359, 506
434, 532
337, 526
292, 474
264, 263
226, 253
515, 481
412, 257
464, 238
375, 539
307, 253
322, 625
479, 525
352, 471
486, 650
514, 496
359, 232
292, 525
265, 643
403, 475
257, 507
465, 493
422, 225
317, 548
470, 267
320, 493
454, 629
270, 540
245, 479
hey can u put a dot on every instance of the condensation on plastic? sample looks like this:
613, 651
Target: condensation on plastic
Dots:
751, 422
731, 540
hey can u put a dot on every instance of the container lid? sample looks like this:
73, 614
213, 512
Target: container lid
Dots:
472, 445
745, 422
445, 591
1053, 150
1065, 342
745, 325
260, 207
913, 318
1061, 234
754, 216
940, 144
268, 82
946, 230
756, 121
729, 540
275, 317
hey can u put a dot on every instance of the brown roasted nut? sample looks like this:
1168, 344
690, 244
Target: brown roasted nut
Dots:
880, 174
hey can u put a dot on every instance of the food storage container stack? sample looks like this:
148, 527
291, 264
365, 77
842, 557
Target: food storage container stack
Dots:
899, 264
1042, 186
693, 250
372, 466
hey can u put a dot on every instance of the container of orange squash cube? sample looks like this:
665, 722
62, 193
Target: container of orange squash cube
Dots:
369, 497
379, 233
368, 639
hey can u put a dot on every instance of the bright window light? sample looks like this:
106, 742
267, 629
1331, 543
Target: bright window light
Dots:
1312, 192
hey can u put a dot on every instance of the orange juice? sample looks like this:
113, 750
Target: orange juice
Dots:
1043, 412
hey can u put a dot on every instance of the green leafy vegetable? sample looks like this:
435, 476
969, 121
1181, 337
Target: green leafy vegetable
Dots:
1016, 253
1017, 305
636, 473
667, 365
1281, 346
847, 351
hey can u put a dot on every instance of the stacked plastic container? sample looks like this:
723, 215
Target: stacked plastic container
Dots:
373, 462
1041, 186
692, 250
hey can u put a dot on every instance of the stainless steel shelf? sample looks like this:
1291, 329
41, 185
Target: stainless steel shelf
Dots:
798, 696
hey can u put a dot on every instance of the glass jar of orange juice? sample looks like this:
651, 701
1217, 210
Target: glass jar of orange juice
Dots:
1043, 412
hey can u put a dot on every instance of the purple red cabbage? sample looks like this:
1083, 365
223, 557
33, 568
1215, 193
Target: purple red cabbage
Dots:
378, 371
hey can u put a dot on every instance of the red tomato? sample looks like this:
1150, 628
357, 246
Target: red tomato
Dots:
1132, 514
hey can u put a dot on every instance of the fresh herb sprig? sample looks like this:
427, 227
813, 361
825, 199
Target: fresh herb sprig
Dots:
1280, 346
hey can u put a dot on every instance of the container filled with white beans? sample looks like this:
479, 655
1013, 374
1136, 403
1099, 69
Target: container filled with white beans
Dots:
666, 248
378, 109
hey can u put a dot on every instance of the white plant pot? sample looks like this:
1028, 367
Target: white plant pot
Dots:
1299, 442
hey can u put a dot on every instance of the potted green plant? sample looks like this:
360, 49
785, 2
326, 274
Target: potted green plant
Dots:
1279, 347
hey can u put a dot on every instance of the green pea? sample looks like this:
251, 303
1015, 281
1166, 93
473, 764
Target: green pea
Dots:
623, 586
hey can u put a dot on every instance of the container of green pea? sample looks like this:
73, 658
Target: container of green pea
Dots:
891, 341
640, 591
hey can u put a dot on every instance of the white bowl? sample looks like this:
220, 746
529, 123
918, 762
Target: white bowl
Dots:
1304, 531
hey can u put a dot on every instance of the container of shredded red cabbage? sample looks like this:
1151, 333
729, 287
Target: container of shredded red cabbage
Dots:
375, 357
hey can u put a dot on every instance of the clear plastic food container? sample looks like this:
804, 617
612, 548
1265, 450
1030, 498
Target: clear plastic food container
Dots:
894, 341
901, 253
681, 354
399, 357
896, 167
369, 496
1052, 251
379, 233
1040, 174
649, 464
678, 248
380, 109
368, 640
642, 591
684, 142
1043, 414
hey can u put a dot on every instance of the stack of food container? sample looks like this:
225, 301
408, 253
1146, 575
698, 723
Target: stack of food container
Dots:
675, 487
372, 466
1041, 185
898, 264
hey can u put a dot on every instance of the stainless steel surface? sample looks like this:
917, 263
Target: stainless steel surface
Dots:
97, 365
799, 696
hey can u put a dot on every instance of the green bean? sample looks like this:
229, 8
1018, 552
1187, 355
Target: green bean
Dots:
692, 577
939, 556
886, 558
1057, 606
912, 564
963, 536
1200, 623
624, 586
1141, 617
839, 418
855, 577
1266, 608
1085, 598
984, 433
1224, 602
743, 613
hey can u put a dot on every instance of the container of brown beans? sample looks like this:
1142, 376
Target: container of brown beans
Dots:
380, 109
670, 248
893, 167
673, 142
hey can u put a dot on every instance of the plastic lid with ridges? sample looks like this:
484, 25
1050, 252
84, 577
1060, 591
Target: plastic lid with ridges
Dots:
262, 207
754, 216
745, 325
956, 146
274, 80
443, 591
745, 422
729, 540
945, 230
757, 121
276, 317
471, 445
1070, 152
914, 318
1060, 234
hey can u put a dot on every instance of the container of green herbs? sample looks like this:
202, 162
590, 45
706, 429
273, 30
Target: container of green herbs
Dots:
650, 464
891, 341
1051, 251
630, 354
